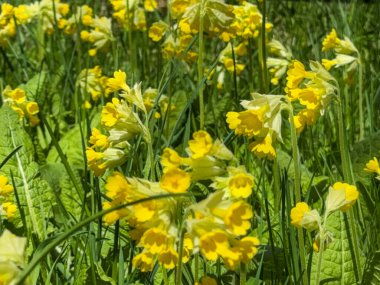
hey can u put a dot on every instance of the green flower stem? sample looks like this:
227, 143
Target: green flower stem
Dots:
297, 190
178, 277
243, 273
200, 66
321, 247
349, 178
196, 269
264, 87
361, 113
61, 238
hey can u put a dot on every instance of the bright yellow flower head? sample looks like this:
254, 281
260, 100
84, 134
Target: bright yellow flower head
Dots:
150, 5
5, 188
328, 64
170, 159
157, 31
248, 248
213, 243
240, 185
373, 166
237, 218
296, 74
32, 108
263, 148
168, 258
247, 123
110, 115
297, 213
98, 139
144, 261
155, 240
201, 144
175, 180
331, 41
118, 82
351, 194
10, 209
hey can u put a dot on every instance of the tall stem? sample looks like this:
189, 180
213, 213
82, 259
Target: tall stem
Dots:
243, 273
348, 177
297, 190
361, 114
200, 66
262, 53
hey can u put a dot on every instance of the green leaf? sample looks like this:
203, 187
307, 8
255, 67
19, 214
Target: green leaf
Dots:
372, 270
337, 264
71, 145
35, 194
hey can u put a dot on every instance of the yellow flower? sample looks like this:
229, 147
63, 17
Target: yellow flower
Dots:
5, 188
150, 5
213, 244
110, 115
170, 159
240, 185
32, 108
10, 209
98, 139
144, 261
118, 82
371, 166
263, 148
155, 240
157, 31
207, 280
247, 123
297, 213
328, 64
237, 217
303, 216
175, 180
201, 144
247, 247
331, 41
168, 258
342, 196
296, 74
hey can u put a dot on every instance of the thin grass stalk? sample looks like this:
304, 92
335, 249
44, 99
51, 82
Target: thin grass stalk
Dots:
297, 191
200, 66
36, 260
264, 88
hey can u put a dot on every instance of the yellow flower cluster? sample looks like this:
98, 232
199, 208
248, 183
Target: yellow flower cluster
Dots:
7, 24
154, 223
261, 120
48, 12
130, 15
122, 124
246, 22
100, 35
217, 224
206, 157
83, 15
7, 207
312, 89
226, 57
92, 85
16, 98
341, 197
345, 51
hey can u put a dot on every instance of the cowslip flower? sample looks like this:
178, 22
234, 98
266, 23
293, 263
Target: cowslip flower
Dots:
373, 166
302, 216
12, 257
342, 196
238, 184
